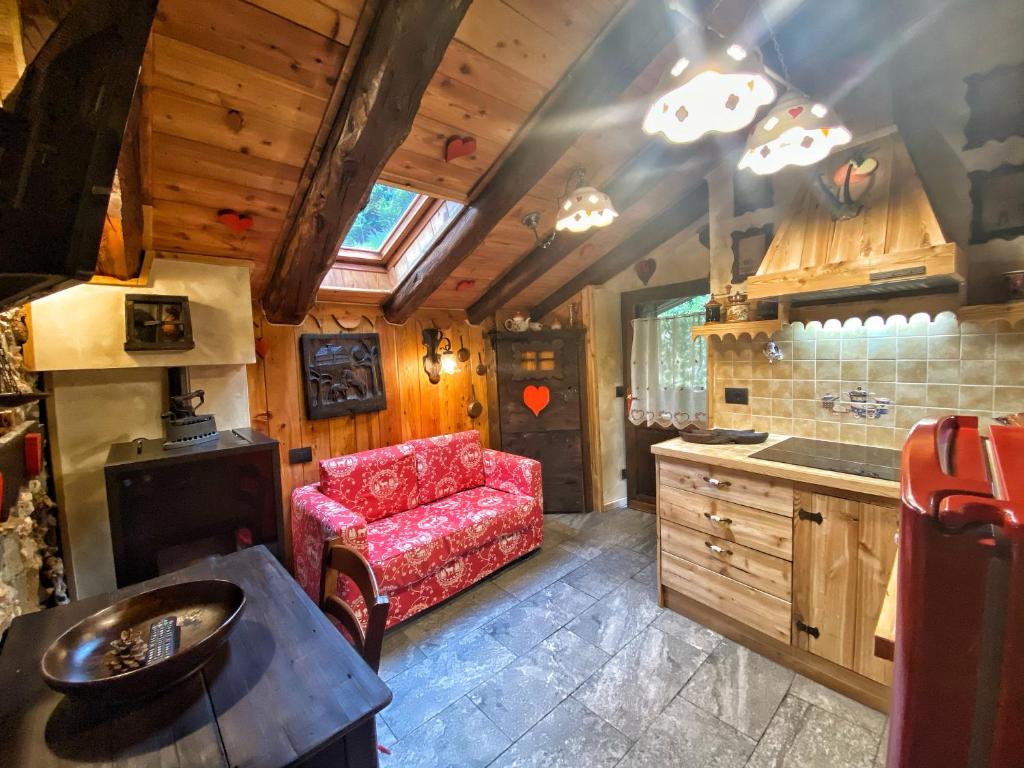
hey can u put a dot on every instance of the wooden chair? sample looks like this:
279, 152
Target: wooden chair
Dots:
348, 562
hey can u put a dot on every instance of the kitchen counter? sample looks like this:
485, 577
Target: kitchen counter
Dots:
739, 457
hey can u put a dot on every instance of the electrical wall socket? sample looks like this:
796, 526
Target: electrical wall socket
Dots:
737, 395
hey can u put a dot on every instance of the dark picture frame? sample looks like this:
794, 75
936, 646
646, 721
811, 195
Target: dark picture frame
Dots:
341, 374
748, 249
155, 322
996, 109
997, 198
751, 192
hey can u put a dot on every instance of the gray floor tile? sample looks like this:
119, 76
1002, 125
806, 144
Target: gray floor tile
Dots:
601, 574
459, 737
632, 688
526, 624
537, 572
683, 735
740, 687
617, 618
842, 706
398, 654
427, 688
439, 628
385, 735
695, 634
883, 747
532, 685
803, 736
648, 575
571, 736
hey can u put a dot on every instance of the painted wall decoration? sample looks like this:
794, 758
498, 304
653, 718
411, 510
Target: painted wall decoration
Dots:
237, 222
341, 374
459, 146
536, 398
997, 111
748, 249
997, 197
645, 269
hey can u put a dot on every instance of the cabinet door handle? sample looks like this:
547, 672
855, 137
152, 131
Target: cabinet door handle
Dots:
812, 631
717, 549
814, 517
718, 519
714, 482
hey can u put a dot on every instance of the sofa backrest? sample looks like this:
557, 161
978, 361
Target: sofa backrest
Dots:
373, 483
447, 464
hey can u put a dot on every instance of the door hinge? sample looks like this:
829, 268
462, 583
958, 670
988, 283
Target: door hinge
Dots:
623, 473
814, 517
812, 631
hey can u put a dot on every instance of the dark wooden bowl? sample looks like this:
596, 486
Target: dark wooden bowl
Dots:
207, 610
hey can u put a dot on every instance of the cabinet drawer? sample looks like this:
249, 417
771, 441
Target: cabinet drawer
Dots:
754, 528
760, 491
750, 606
747, 566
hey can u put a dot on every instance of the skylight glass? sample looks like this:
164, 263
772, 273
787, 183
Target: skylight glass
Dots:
377, 221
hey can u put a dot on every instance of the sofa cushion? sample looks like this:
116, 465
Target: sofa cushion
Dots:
447, 464
373, 483
481, 515
406, 547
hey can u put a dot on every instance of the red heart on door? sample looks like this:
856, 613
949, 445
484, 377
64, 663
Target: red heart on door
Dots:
457, 147
235, 221
536, 398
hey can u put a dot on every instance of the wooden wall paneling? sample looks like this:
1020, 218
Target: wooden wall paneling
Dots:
877, 549
864, 234
470, 111
214, 194
483, 73
175, 154
593, 416
335, 19
12, 54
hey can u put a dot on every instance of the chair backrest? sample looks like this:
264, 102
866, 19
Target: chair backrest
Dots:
339, 559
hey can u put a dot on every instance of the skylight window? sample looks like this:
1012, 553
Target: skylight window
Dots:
385, 211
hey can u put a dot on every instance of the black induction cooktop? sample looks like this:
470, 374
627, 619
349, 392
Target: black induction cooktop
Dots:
882, 463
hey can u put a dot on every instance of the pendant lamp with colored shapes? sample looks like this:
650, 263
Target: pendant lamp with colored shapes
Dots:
722, 93
795, 132
583, 208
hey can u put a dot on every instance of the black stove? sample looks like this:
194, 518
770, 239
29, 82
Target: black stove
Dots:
881, 463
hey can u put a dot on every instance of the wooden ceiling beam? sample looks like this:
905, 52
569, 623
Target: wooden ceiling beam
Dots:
402, 50
648, 236
633, 39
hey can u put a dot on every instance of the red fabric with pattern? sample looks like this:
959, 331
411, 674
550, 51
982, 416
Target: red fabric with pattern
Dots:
513, 474
481, 515
447, 464
316, 520
373, 483
408, 547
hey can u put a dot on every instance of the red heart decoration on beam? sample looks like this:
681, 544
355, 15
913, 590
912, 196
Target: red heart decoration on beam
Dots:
645, 270
459, 146
536, 398
235, 221
262, 347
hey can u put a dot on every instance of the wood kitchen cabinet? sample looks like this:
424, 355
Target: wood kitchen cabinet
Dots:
843, 548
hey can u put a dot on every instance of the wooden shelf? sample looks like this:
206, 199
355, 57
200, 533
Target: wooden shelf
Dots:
751, 328
1011, 311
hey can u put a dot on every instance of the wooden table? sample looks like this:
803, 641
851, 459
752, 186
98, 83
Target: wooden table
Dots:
286, 689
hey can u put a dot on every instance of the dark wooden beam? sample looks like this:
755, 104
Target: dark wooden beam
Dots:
403, 49
648, 236
129, 175
626, 188
636, 36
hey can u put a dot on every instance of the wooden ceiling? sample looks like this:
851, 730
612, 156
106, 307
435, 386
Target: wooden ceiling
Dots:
235, 92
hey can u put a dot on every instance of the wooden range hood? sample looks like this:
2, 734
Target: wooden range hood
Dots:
893, 245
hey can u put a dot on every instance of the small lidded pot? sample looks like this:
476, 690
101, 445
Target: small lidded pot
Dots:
738, 311
713, 311
858, 395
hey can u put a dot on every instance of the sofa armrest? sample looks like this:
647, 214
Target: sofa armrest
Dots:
317, 520
512, 474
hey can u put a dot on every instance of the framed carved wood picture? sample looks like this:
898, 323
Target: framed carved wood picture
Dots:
748, 250
751, 192
997, 197
996, 109
341, 374
157, 322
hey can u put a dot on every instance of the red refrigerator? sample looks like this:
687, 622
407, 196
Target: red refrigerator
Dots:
958, 686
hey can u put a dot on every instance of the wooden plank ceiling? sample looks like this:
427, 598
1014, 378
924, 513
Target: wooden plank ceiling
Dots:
235, 91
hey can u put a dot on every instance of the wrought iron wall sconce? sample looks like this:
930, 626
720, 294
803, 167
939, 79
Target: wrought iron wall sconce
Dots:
531, 221
439, 357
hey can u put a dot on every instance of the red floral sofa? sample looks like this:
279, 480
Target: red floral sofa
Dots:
433, 516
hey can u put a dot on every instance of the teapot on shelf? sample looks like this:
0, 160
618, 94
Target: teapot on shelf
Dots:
517, 323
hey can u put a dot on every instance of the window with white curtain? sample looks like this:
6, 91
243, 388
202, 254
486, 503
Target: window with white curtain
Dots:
669, 368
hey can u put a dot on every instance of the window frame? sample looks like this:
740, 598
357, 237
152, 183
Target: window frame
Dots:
411, 220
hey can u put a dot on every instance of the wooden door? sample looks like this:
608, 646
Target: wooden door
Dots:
826, 533
556, 435
876, 557
640, 471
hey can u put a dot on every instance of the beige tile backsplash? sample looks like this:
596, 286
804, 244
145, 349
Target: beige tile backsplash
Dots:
929, 367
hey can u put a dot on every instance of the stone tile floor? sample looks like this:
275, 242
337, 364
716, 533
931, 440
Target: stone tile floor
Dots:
565, 659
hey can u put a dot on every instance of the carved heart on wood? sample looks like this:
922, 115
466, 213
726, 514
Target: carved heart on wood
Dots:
459, 146
536, 398
262, 347
645, 270
235, 221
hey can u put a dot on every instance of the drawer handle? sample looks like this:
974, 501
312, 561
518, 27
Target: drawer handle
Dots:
714, 482
718, 519
717, 549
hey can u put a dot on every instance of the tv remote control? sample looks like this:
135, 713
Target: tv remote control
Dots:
163, 639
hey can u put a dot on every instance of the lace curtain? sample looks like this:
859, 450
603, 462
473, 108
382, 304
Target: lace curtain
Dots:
669, 372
